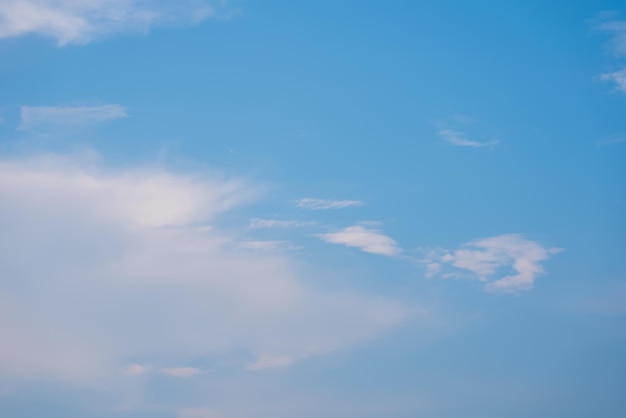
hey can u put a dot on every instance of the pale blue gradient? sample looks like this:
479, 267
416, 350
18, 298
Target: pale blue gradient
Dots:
343, 100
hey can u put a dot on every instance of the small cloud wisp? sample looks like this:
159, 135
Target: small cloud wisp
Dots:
319, 204
367, 240
35, 117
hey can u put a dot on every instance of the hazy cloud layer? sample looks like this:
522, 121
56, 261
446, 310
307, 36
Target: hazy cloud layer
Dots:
181, 372
101, 268
484, 260
81, 21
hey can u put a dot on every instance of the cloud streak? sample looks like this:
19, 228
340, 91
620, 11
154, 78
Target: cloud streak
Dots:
367, 240
616, 29
82, 21
258, 223
35, 117
320, 204
484, 260
460, 139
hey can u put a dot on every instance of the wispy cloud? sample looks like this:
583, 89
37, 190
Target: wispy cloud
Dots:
258, 223
484, 259
459, 139
81, 21
259, 245
618, 77
183, 292
180, 372
368, 240
265, 361
135, 370
608, 22
319, 204
34, 117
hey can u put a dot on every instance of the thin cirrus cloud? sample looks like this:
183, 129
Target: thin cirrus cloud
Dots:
366, 239
80, 21
178, 291
258, 223
616, 29
180, 372
320, 204
459, 139
617, 77
266, 245
483, 259
43, 117
268, 362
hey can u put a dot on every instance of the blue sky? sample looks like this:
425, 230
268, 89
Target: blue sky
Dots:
246, 209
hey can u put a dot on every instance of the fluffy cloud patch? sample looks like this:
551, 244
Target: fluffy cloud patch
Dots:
319, 204
368, 240
99, 268
33, 117
81, 21
484, 259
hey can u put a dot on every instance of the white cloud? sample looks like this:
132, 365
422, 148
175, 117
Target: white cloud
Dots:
92, 274
368, 240
181, 372
460, 139
483, 260
33, 117
81, 21
618, 77
257, 223
318, 204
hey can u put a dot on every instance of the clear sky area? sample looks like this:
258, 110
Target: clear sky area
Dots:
306, 209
